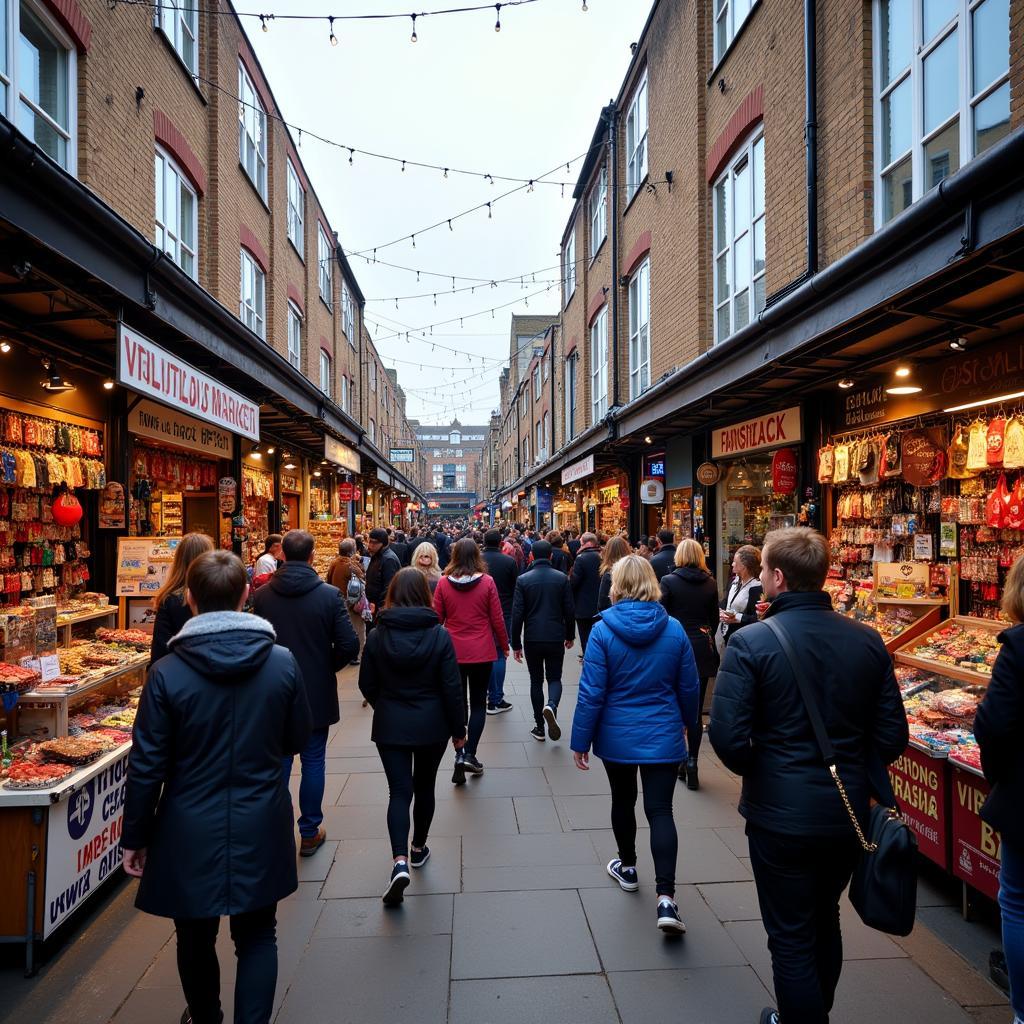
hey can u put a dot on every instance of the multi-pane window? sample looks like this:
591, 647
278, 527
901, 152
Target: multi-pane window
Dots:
539, 447
348, 315
943, 92
636, 139
546, 372
569, 265
739, 239
252, 132
524, 401
296, 210
179, 21
640, 330
325, 373
324, 261
526, 452
729, 18
343, 398
547, 433
373, 376
252, 308
599, 367
294, 336
176, 213
570, 396
536, 383
599, 211
38, 80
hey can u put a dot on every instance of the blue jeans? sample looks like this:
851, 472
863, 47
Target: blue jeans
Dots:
311, 786
496, 684
1011, 903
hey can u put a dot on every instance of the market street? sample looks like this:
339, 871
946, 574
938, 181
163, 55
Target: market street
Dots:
513, 917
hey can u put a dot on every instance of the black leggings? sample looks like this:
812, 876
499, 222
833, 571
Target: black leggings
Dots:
255, 939
659, 788
411, 774
693, 742
476, 677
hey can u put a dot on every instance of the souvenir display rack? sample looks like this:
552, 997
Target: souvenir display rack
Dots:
257, 493
328, 533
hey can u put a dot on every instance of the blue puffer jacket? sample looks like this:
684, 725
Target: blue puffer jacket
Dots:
639, 687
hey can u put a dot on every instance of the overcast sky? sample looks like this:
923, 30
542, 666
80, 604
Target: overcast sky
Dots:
515, 103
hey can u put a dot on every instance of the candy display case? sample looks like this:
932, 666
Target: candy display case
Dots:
961, 648
897, 622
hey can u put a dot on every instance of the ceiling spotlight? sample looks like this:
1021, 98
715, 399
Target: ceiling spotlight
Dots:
289, 465
316, 472
846, 383
271, 450
648, 439
903, 371
903, 389
257, 452
5, 347
958, 343
108, 384
54, 381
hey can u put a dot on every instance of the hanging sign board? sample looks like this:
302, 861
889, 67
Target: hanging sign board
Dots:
227, 491
545, 499
143, 564
152, 420
708, 474
652, 492
345, 491
771, 431
341, 455
400, 455
578, 470
784, 471
146, 368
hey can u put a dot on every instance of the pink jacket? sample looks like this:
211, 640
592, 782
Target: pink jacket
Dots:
471, 612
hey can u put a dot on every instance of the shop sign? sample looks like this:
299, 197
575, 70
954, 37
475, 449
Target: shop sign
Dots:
652, 492
545, 500
578, 470
385, 478
112, 507
784, 471
708, 474
227, 494
150, 419
506, 505
433, 504
919, 782
83, 842
623, 501
346, 491
771, 431
341, 455
396, 506
145, 367
655, 466
401, 455
977, 848
357, 494
143, 564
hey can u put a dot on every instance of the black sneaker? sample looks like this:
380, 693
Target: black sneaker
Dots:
473, 766
626, 877
692, 778
419, 857
769, 1016
492, 709
459, 774
551, 718
669, 920
499, 708
400, 878
537, 732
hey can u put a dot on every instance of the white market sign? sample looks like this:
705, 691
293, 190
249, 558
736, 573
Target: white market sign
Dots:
401, 455
145, 367
772, 431
578, 470
341, 455
155, 421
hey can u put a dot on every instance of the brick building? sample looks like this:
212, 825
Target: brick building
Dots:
453, 463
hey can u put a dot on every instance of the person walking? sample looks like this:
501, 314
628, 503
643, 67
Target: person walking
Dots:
172, 610
384, 563
739, 606
207, 820
503, 570
559, 557
411, 679
424, 560
663, 560
443, 548
690, 595
467, 603
346, 567
401, 547
638, 692
997, 729
616, 549
803, 848
309, 618
268, 561
585, 581
573, 542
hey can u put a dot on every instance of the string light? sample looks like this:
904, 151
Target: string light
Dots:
414, 37
333, 37
263, 22
497, 24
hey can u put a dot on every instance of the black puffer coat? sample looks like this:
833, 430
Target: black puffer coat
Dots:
205, 795
585, 580
504, 571
691, 597
172, 614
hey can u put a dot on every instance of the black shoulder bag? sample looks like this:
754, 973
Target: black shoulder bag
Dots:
883, 889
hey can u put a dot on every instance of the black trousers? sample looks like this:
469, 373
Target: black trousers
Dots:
544, 659
411, 773
583, 628
693, 742
659, 788
799, 882
255, 938
476, 678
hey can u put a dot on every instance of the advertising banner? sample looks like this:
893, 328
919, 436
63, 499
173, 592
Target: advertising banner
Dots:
976, 845
919, 782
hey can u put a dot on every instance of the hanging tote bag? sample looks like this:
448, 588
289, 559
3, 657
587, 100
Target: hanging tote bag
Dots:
883, 889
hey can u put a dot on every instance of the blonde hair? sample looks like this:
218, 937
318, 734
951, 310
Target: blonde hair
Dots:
426, 548
691, 552
189, 548
1013, 592
615, 549
633, 579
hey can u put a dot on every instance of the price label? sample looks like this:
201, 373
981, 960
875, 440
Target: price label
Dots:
49, 667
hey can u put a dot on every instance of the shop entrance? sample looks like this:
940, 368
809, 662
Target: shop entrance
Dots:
202, 515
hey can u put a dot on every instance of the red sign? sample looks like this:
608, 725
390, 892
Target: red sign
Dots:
784, 471
396, 506
919, 782
976, 845
345, 491
624, 501
357, 494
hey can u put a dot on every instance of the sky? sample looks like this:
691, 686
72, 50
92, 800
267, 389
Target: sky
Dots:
519, 102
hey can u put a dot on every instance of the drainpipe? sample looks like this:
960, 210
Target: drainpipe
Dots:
611, 116
811, 131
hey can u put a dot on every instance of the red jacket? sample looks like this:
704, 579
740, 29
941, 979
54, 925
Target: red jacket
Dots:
471, 612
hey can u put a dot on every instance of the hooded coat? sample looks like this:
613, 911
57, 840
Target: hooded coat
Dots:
470, 609
690, 596
638, 689
410, 678
310, 619
205, 795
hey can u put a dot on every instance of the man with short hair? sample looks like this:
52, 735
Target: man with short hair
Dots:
267, 562
803, 847
401, 548
559, 556
573, 542
663, 561
585, 582
309, 618
504, 571
381, 571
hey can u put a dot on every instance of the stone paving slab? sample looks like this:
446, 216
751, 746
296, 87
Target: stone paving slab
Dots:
576, 999
536, 814
362, 868
358, 918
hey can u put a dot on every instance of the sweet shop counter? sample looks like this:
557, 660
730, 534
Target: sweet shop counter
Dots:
961, 648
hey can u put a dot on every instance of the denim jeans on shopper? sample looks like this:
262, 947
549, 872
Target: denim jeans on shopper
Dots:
496, 684
311, 785
1011, 903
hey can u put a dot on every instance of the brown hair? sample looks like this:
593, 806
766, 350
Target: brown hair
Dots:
800, 554
616, 548
217, 582
408, 589
633, 579
1013, 592
465, 559
554, 538
751, 558
691, 552
189, 548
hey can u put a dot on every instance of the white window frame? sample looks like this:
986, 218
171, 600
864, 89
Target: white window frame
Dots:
12, 80
372, 432
252, 132
546, 371
599, 212
640, 329
296, 211
348, 314
253, 314
294, 336
636, 139
569, 266
740, 251
571, 394
324, 260
536, 383
373, 376
538, 448
547, 434
178, 21
599, 367
730, 16
168, 175
343, 398
968, 99
325, 372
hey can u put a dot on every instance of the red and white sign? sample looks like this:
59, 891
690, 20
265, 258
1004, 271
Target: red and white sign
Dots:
919, 782
977, 847
396, 506
784, 471
145, 367
345, 491
772, 431
578, 470
357, 494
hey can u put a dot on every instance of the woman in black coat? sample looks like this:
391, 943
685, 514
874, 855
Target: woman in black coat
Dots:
690, 594
410, 677
207, 816
169, 601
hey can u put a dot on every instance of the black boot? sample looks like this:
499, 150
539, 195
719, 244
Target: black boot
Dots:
692, 780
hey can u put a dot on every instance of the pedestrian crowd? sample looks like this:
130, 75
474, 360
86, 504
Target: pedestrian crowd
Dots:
244, 679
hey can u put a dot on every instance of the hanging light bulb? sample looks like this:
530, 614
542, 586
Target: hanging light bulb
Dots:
263, 22
351, 153
497, 24
585, 7
333, 37
413, 37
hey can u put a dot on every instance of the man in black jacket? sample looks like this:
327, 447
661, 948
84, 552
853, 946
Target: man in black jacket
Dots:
585, 581
384, 563
309, 618
401, 548
573, 543
663, 561
504, 571
803, 847
542, 608
560, 559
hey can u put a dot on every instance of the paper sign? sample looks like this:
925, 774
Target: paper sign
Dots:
923, 546
49, 667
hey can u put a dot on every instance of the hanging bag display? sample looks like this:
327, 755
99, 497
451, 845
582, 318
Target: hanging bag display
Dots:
892, 461
958, 455
1013, 516
994, 439
826, 464
977, 447
1013, 444
842, 464
997, 504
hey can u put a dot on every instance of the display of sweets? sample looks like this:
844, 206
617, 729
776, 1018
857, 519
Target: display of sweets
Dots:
974, 648
890, 622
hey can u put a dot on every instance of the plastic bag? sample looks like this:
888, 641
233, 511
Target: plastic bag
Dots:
996, 506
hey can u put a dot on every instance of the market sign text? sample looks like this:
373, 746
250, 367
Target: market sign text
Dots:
772, 431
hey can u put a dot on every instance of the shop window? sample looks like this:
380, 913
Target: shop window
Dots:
569, 266
372, 432
179, 22
539, 447
536, 383
252, 132
324, 262
294, 336
636, 139
547, 433
729, 18
739, 217
344, 396
325, 373
599, 211
599, 367
570, 396
640, 330
942, 92
177, 214
252, 308
296, 210
373, 376
348, 315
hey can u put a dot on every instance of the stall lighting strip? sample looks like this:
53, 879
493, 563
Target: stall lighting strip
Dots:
985, 401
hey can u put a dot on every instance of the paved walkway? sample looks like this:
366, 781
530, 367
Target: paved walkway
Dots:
512, 920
